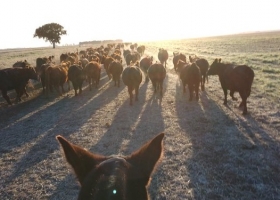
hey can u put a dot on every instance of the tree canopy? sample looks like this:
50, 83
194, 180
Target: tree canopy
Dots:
50, 32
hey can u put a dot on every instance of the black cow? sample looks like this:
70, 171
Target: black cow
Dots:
21, 64
163, 56
145, 63
157, 73
15, 78
236, 78
190, 74
176, 58
77, 76
132, 77
116, 69
203, 65
132, 58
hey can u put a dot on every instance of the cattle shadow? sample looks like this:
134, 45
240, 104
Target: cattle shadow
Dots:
122, 124
222, 151
41, 136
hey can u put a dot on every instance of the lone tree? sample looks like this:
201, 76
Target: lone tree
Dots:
50, 32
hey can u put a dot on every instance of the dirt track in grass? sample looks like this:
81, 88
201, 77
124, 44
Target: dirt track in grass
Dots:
211, 151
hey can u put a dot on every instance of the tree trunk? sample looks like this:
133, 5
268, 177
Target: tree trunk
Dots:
53, 45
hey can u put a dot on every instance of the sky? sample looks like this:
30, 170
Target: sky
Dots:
133, 21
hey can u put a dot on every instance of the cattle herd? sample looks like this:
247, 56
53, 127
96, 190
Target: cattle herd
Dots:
85, 65
77, 67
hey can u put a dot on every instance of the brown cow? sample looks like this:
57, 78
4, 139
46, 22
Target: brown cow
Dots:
15, 78
157, 74
93, 71
114, 177
116, 69
56, 76
203, 64
163, 56
190, 74
132, 77
236, 78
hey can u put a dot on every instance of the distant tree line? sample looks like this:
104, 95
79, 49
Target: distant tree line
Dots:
100, 42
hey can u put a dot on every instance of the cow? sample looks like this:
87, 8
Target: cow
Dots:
125, 52
117, 57
132, 47
157, 74
132, 77
162, 56
145, 63
21, 64
93, 72
203, 64
63, 57
41, 71
15, 78
76, 74
191, 76
116, 69
132, 58
180, 65
141, 50
176, 58
235, 78
107, 62
42, 60
83, 62
114, 177
56, 76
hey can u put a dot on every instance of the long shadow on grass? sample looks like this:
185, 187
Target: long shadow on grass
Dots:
228, 158
61, 120
123, 125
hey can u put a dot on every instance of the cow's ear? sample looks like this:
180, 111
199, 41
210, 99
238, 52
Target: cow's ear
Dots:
80, 159
147, 157
220, 60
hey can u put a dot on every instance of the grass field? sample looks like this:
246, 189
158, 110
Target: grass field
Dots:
211, 151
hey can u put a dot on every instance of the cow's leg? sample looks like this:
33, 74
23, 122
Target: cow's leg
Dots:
154, 86
68, 85
184, 86
80, 87
136, 92
232, 95
62, 89
243, 102
130, 88
89, 84
57, 89
6, 97
18, 98
190, 91
196, 91
161, 87
203, 82
225, 94
25, 92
